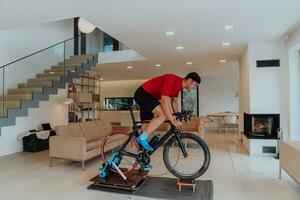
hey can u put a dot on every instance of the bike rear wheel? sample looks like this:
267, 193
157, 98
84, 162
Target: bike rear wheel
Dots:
112, 143
195, 164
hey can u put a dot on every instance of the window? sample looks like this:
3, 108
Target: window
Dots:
107, 43
118, 103
110, 43
190, 101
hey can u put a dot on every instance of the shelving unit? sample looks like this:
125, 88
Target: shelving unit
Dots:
85, 93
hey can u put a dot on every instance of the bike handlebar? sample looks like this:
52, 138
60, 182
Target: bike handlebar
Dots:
185, 115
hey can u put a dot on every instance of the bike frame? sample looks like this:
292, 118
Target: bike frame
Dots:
173, 131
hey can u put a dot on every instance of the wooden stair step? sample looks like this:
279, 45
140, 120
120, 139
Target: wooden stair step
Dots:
68, 63
62, 67
76, 60
35, 84
10, 104
73, 62
25, 90
43, 79
83, 56
51, 74
16, 97
60, 70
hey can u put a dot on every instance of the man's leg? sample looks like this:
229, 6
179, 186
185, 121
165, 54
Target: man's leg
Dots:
158, 120
152, 126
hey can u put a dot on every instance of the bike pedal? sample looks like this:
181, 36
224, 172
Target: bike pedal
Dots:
149, 166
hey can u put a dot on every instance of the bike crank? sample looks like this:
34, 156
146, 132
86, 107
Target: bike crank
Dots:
143, 158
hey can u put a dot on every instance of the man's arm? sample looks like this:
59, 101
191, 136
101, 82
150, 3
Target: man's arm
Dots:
166, 105
167, 108
174, 103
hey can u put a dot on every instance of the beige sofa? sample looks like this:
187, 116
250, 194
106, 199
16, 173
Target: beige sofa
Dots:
79, 141
289, 158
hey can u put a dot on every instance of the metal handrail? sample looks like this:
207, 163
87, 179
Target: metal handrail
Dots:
36, 52
3, 67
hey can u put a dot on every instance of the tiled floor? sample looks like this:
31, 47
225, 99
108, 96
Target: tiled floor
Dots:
235, 175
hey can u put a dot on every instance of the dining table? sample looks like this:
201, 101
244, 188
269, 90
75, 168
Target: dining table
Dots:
223, 114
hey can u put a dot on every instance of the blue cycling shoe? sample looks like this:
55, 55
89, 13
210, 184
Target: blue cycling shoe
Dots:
144, 143
149, 166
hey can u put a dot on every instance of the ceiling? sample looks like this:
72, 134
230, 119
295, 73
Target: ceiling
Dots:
198, 27
144, 69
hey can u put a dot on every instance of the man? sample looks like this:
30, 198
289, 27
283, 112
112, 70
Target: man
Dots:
158, 100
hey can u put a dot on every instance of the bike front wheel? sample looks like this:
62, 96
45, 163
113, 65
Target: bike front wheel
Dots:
195, 164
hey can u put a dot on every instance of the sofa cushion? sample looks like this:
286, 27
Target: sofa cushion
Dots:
90, 130
70, 130
94, 144
104, 127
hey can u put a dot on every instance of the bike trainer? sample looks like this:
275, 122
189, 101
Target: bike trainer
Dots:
134, 180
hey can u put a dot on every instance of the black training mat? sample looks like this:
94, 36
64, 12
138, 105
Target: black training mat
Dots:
166, 188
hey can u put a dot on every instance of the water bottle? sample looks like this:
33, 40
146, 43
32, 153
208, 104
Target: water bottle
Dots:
154, 140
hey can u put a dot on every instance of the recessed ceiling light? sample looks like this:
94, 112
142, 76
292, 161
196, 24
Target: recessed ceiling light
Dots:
222, 61
168, 33
228, 27
189, 63
129, 67
179, 48
157, 65
225, 44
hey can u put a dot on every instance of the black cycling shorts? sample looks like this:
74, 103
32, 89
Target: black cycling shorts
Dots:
146, 102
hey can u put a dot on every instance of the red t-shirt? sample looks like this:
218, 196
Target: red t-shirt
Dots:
168, 85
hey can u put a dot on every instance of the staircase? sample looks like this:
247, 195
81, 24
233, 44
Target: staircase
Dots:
28, 95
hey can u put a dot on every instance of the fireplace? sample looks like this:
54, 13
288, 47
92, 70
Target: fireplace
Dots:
261, 126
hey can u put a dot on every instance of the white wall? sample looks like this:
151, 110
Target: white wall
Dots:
217, 93
294, 91
244, 93
52, 111
244, 96
265, 82
119, 88
293, 40
20, 42
291, 83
